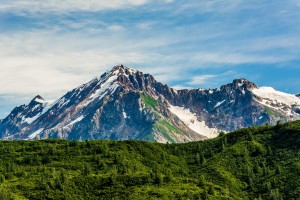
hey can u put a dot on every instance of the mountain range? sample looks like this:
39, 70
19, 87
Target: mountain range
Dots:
126, 104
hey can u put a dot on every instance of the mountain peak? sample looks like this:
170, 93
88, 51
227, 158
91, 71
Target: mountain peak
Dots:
124, 103
116, 71
123, 69
242, 81
37, 100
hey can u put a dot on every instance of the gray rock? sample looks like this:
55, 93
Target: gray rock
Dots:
125, 104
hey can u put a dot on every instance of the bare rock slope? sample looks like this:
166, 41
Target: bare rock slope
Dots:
125, 104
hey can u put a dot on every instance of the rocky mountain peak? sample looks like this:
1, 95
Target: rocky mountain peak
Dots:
128, 78
124, 103
36, 100
121, 69
244, 82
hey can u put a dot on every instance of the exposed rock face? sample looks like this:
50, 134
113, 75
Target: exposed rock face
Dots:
126, 104
21, 117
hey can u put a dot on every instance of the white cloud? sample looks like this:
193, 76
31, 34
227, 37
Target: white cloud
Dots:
201, 79
240, 58
211, 80
50, 64
51, 54
116, 28
285, 42
182, 87
34, 6
211, 6
144, 25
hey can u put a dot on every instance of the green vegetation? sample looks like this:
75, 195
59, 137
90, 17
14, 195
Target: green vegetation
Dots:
253, 163
165, 128
170, 127
148, 100
273, 114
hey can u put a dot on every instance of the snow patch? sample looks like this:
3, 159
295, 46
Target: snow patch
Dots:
271, 93
131, 71
39, 100
75, 121
277, 100
62, 102
30, 120
242, 83
190, 119
33, 135
124, 114
46, 106
219, 103
175, 91
105, 87
243, 91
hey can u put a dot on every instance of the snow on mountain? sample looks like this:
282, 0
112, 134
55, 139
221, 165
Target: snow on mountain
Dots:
283, 102
44, 107
68, 111
108, 85
190, 119
219, 103
39, 99
124, 103
29, 120
75, 121
281, 97
36, 133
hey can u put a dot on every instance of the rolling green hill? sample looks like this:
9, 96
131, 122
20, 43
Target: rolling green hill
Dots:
253, 163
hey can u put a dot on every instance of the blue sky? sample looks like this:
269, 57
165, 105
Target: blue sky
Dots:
49, 47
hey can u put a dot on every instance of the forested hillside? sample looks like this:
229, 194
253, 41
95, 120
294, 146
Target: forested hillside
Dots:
253, 163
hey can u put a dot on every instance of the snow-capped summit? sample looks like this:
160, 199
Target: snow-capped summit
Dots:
287, 104
280, 97
37, 100
124, 103
124, 69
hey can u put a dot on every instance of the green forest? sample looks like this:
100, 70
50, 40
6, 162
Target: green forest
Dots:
252, 163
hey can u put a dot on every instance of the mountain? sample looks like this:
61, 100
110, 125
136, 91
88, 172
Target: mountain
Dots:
126, 104
254, 163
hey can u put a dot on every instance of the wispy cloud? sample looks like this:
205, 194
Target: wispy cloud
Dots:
33, 6
240, 58
211, 79
51, 46
201, 79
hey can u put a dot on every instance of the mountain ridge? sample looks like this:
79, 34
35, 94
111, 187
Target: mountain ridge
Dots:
124, 103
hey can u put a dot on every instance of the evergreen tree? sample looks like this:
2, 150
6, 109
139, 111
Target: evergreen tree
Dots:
198, 159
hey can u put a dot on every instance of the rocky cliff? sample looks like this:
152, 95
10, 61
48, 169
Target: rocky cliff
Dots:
125, 104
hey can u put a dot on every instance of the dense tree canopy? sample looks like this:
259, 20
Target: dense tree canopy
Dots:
253, 163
